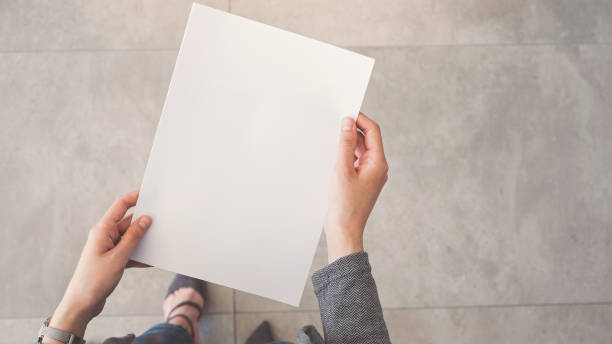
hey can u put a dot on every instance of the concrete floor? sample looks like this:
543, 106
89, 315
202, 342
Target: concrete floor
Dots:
495, 225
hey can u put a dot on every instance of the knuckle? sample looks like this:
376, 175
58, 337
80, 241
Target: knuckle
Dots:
348, 137
124, 200
376, 126
137, 230
117, 203
382, 168
385, 167
95, 229
347, 142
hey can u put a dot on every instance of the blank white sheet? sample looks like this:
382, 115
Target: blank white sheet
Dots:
237, 177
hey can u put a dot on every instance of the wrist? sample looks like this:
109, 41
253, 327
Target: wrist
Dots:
340, 245
71, 317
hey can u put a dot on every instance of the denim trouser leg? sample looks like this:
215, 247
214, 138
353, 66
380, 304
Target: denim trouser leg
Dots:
164, 333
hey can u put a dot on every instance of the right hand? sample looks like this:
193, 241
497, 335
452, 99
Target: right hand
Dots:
103, 260
359, 175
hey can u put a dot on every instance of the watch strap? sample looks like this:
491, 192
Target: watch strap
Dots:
59, 335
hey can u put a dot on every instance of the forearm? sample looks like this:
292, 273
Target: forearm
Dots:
348, 302
70, 318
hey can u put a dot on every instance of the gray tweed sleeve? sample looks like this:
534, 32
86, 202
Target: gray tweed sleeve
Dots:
348, 302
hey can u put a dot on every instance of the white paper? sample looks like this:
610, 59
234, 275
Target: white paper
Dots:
237, 178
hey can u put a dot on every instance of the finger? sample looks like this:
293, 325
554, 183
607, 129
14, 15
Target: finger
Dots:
360, 145
124, 223
120, 206
373, 138
103, 237
135, 264
359, 151
132, 237
348, 143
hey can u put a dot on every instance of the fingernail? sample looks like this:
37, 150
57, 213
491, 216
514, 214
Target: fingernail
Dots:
347, 124
144, 222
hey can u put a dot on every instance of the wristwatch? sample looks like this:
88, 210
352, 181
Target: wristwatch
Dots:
59, 335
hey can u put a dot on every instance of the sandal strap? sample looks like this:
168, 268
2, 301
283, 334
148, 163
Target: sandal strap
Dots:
181, 281
186, 319
186, 303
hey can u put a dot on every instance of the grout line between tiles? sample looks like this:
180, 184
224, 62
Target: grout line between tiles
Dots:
234, 314
399, 46
108, 316
489, 306
416, 308
61, 51
479, 45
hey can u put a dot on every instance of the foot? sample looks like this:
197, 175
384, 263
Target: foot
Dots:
181, 295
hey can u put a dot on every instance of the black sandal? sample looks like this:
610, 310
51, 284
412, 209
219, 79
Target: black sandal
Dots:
182, 281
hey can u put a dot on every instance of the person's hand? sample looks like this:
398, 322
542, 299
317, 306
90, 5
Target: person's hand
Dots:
359, 175
106, 254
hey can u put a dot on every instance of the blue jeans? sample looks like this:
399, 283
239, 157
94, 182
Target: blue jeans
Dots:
169, 333
164, 333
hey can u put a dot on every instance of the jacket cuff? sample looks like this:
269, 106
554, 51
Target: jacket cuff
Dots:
353, 264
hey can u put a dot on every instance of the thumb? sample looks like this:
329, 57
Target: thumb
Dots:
132, 236
348, 143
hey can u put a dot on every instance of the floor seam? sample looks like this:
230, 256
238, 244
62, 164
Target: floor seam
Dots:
383, 46
486, 306
160, 315
527, 305
479, 45
111, 50
234, 314
234, 311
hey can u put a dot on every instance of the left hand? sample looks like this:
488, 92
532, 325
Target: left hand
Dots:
104, 258
359, 175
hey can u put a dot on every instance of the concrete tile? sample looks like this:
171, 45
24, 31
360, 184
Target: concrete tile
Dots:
550, 324
285, 325
35, 25
525, 324
214, 328
76, 129
397, 22
217, 328
20, 330
540, 21
246, 302
499, 189
219, 299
